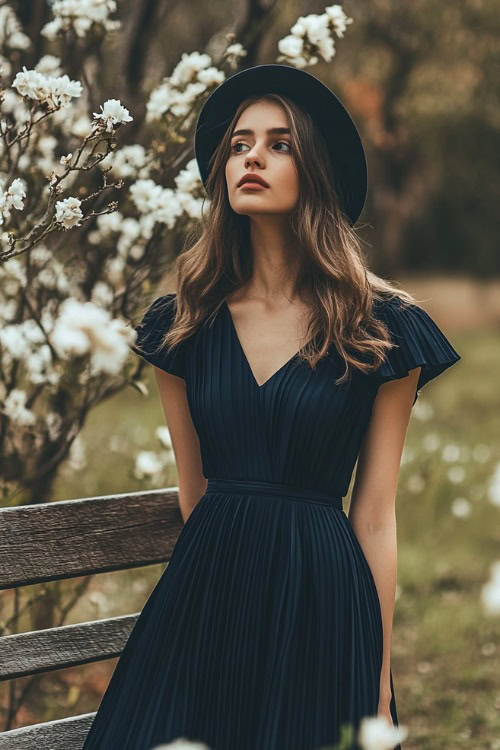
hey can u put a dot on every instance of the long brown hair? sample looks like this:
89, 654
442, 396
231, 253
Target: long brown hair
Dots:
333, 268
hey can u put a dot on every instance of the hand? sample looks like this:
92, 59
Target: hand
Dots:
384, 708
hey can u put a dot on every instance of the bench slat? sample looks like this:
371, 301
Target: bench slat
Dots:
66, 646
72, 538
61, 734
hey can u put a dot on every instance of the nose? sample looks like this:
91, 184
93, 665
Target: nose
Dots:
253, 158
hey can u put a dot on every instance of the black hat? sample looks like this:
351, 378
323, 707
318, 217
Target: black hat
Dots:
343, 141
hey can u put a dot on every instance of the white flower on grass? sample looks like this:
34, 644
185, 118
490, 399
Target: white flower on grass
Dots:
182, 744
15, 409
481, 452
68, 212
84, 328
490, 593
163, 434
149, 463
460, 507
112, 113
13, 197
451, 452
494, 486
376, 733
456, 474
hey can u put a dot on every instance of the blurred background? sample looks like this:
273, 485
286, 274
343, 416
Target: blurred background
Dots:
422, 81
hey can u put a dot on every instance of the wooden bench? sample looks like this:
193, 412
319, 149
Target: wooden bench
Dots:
60, 540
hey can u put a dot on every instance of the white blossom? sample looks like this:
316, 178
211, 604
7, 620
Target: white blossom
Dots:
85, 328
82, 126
68, 212
311, 37
211, 76
13, 197
80, 15
11, 34
376, 733
234, 53
15, 409
291, 45
111, 222
129, 161
102, 294
188, 68
158, 102
112, 113
49, 65
56, 90
338, 19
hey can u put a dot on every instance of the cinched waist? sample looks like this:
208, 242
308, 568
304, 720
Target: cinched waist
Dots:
258, 487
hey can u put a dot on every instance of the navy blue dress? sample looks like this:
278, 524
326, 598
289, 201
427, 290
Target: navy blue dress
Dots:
265, 630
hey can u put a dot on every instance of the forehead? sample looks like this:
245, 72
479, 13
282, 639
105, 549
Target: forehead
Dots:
264, 116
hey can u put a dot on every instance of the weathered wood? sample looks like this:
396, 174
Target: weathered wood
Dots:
61, 734
67, 646
65, 539
69, 538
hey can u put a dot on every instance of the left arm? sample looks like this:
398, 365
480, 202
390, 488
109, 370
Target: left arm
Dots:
372, 511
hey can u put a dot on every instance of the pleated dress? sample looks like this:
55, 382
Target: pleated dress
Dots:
265, 631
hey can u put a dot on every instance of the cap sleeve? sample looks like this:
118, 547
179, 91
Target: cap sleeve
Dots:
420, 343
150, 332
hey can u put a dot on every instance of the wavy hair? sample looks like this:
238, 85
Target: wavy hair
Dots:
217, 259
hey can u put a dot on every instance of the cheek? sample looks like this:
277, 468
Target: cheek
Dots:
289, 177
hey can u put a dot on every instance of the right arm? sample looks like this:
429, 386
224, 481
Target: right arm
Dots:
192, 483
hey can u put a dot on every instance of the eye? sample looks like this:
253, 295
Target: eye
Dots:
284, 142
241, 143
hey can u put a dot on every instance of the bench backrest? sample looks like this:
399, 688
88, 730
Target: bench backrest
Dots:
66, 539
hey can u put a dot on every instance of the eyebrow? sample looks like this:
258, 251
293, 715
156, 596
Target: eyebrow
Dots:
269, 131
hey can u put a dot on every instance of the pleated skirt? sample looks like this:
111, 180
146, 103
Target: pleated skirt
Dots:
263, 633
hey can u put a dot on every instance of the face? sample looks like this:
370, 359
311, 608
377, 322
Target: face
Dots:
269, 155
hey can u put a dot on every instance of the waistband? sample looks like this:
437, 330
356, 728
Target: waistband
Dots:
258, 487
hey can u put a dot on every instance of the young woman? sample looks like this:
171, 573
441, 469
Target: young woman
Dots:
281, 361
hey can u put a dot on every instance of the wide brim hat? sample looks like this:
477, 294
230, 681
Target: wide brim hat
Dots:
345, 148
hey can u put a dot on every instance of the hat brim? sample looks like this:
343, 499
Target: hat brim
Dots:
345, 148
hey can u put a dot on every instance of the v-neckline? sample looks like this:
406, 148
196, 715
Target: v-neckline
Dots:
245, 358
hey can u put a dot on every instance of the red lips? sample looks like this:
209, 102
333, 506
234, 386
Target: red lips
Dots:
252, 177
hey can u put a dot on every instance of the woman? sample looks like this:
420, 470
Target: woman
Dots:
280, 361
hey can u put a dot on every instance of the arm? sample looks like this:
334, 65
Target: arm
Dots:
372, 510
192, 483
